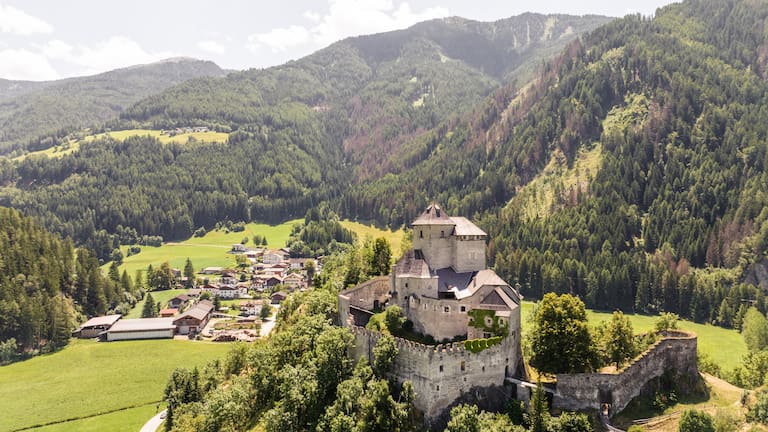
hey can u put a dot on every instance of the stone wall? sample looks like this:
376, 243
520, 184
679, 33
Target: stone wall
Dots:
444, 374
676, 352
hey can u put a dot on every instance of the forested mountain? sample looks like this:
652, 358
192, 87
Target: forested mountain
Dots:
675, 109
29, 110
301, 133
46, 285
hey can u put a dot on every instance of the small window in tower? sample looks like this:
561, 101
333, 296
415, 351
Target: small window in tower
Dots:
463, 366
463, 308
437, 388
406, 284
447, 309
441, 368
421, 234
442, 234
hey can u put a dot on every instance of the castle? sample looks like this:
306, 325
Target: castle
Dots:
445, 290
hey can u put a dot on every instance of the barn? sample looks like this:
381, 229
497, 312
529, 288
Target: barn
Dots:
141, 328
95, 326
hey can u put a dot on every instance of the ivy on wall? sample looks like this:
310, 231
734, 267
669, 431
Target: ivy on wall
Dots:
488, 322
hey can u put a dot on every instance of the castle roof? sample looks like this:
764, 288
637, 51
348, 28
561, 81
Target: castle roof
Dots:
433, 215
466, 228
412, 264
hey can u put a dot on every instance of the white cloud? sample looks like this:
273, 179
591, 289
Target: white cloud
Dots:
212, 47
25, 65
18, 22
113, 53
344, 18
281, 39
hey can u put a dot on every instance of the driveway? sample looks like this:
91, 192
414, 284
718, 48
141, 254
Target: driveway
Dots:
269, 324
154, 422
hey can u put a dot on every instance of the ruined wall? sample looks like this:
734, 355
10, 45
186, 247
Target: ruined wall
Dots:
443, 374
676, 352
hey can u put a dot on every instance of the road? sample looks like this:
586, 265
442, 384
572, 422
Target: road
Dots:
154, 422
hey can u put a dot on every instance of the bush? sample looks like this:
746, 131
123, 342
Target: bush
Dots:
696, 421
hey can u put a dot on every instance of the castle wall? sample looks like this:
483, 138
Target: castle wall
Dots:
443, 374
468, 255
676, 352
435, 242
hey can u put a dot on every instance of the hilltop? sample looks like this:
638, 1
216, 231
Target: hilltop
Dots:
52, 109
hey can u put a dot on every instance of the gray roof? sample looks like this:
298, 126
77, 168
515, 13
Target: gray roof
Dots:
449, 279
106, 320
199, 311
142, 324
466, 228
433, 215
410, 265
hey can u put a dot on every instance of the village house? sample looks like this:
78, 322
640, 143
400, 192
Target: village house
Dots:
193, 320
179, 302
274, 257
278, 297
295, 281
212, 270
251, 307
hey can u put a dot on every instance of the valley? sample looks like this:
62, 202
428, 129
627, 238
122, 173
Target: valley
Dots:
584, 162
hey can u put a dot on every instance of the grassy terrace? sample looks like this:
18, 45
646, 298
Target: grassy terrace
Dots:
107, 386
212, 250
711, 339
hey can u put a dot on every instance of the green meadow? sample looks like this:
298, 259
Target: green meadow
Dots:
211, 250
395, 238
157, 296
724, 346
97, 384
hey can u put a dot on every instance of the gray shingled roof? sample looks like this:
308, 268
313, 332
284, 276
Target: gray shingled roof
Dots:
433, 215
466, 228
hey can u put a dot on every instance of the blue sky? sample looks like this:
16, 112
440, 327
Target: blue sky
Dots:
41, 40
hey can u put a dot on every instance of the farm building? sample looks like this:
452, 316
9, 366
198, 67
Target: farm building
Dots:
168, 312
193, 320
141, 328
95, 326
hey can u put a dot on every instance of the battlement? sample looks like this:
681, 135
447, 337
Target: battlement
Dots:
676, 351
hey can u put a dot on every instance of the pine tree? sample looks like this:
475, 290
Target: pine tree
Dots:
149, 310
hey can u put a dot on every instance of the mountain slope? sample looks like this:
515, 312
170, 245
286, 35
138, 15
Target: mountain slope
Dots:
675, 213
301, 134
32, 109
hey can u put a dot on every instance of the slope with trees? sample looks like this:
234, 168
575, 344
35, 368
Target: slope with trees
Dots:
35, 116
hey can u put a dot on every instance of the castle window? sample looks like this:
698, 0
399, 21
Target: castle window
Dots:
406, 284
447, 309
483, 368
437, 388
421, 234
463, 366
441, 368
463, 308
442, 234
425, 306
488, 321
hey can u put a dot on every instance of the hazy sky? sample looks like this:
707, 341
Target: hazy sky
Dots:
53, 39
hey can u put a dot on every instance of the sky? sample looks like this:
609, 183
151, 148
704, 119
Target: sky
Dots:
54, 39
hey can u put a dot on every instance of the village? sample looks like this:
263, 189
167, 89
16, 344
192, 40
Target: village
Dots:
220, 304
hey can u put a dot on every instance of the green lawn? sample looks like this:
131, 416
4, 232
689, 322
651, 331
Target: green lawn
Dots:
88, 378
210, 250
395, 238
129, 420
157, 296
725, 347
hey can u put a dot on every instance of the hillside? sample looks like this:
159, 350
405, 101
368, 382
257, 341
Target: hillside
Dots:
30, 110
300, 133
675, 214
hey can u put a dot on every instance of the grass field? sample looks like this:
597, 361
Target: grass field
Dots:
711, 339
74, 145
90, 378
208, 251
157, 296
395, 238
129, 420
